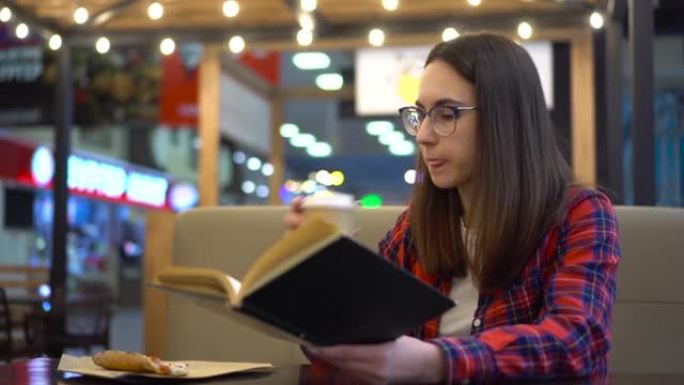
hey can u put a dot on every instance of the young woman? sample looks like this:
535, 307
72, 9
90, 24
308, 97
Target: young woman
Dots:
496, 222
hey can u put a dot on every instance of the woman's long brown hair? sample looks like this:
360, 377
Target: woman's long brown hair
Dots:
520, 175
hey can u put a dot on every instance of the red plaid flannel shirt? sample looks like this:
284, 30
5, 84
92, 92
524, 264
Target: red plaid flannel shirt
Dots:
554, 320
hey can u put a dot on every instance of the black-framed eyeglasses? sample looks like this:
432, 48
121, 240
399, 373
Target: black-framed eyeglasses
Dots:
442, 118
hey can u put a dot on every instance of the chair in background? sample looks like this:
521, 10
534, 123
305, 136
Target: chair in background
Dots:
5, 328
11, 347
89, 313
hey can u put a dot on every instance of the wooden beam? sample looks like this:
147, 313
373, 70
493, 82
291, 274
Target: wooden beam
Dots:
277, 155
315, 93
583, 109
209, 121
394, 40
350, 36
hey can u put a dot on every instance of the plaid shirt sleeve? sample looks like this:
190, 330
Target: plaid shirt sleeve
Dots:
571, 337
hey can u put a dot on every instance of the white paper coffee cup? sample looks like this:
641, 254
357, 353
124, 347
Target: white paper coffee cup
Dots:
339, 209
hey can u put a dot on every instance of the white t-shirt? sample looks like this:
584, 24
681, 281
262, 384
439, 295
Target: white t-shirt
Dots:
458, 320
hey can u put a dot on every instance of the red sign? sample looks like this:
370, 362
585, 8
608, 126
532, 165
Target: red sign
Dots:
179, 92
265, 64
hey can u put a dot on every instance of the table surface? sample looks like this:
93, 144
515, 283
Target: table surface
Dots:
42, 371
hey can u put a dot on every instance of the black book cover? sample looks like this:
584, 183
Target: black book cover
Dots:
346, 294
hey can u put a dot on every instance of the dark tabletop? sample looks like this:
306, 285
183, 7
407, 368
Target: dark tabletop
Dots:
42, 371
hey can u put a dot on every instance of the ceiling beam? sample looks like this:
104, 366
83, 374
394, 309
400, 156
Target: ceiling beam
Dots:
401, 32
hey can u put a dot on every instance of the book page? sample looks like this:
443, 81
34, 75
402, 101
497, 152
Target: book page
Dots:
200, 280
289, 249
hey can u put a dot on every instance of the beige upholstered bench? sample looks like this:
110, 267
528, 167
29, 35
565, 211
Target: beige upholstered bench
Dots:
648, 332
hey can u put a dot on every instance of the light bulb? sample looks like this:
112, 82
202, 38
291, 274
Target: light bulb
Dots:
167, 46
102, 45
390, 5
449, 34
22, 31
308, 5
81, 15
525, 30
155, 11
306, 21
231, 8
5, 14
596, 20
376, 37
236, 44
304, 37
55, 42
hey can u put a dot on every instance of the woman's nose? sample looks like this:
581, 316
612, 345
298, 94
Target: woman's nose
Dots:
426, 135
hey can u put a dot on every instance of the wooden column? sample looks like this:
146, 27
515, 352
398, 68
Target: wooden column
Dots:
277, 157
158, 254
209, 122
583, 111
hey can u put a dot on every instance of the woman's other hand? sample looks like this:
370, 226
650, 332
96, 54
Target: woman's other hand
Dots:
295, 216
405, 359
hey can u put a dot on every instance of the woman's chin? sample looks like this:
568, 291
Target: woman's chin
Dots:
443, 183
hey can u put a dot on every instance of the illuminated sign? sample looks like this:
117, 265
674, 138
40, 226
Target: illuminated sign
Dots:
101, 179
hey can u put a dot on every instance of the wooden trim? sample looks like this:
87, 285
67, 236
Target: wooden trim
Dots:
24, 269
277, 156
583, 108
304, 92
158, 254
209, 121
23, 284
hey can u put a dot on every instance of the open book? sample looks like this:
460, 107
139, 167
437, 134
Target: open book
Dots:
315, 285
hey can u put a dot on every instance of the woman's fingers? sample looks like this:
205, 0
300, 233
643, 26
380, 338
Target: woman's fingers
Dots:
295, 216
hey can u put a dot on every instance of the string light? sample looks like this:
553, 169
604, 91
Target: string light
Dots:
596, 20
167, 46
155, 11
55, 42
22, 31
5, 14
376, 37
390, 5
236, 44
102, 45
304, 37
308, 5
288, 130
525, 30
450, 34
81, 15
306, 21
231, 8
